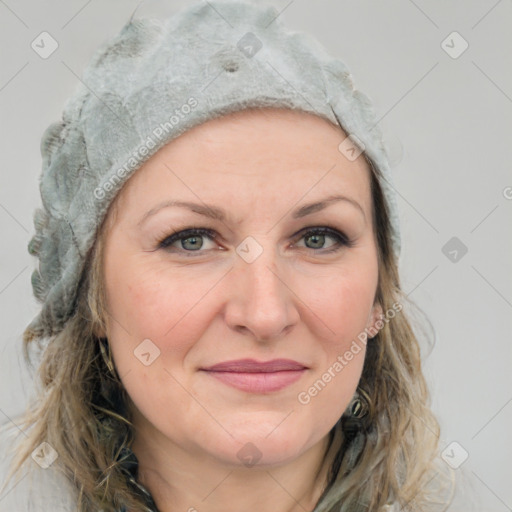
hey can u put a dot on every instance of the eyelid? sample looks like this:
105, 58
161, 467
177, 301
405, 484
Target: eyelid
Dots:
327, 228
340, 237
182, 234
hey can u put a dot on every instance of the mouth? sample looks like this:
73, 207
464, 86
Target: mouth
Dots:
253, 376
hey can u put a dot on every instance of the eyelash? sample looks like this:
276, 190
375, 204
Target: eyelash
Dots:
341, 239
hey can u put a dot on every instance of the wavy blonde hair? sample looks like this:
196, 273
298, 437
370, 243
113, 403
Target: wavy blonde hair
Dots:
388, 456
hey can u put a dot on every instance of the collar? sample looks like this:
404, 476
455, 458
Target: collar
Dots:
130, 465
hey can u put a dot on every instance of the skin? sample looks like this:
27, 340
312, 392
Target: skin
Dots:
201, 307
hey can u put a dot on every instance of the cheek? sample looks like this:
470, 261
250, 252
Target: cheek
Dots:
344, 307
146, 300
343, 301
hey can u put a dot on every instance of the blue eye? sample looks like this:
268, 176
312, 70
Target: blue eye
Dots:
318, 236
192, 239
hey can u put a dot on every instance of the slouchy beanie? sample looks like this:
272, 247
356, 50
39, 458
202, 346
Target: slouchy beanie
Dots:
151, 83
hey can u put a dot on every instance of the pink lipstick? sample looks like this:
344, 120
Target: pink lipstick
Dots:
257, 377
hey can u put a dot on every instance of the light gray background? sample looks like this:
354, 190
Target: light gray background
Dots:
447, 122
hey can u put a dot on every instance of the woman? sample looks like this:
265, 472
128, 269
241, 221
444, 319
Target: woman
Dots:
218, 251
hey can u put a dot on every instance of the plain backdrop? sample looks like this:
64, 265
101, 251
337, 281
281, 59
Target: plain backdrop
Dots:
446, 113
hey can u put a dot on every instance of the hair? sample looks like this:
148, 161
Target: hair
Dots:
387, 456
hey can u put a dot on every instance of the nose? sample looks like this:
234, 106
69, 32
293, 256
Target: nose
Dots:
260, 301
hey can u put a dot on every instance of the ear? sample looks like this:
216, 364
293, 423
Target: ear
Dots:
375, 315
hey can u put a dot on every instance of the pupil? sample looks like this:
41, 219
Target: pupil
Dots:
317, 240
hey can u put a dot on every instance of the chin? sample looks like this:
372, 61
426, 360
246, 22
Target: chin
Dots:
253, 448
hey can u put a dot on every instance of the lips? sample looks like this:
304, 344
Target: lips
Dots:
253, 376
253, 366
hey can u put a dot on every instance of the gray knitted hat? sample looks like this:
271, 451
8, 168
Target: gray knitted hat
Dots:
156, 80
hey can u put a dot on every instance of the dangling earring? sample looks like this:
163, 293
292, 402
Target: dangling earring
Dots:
358, 407
106, 354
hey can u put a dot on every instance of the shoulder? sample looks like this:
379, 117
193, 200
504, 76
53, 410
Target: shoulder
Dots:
40, 486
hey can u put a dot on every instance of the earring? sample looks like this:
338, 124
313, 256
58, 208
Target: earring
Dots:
358, 407
106, 354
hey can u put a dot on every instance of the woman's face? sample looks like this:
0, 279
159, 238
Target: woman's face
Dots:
261, 285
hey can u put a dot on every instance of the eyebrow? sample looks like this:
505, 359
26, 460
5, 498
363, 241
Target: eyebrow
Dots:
216, 213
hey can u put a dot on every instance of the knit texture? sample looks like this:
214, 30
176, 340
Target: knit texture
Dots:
151, 83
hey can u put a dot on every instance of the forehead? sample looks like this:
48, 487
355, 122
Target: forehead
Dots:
278, 156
